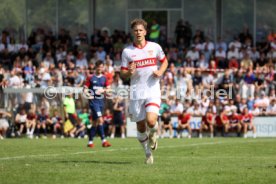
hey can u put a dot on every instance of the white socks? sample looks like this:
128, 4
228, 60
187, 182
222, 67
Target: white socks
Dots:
144, 140
154, 129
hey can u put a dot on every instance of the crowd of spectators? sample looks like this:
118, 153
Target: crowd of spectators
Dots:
196, 63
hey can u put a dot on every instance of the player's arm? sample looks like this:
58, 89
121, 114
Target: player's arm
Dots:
162, 69
129, 71
127, 67
86, 90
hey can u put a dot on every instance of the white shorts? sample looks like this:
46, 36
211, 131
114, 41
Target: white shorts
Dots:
139, 108
4, 124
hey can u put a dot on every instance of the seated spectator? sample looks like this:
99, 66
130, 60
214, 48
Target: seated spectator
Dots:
4, 124
193, 54
246, 63
220, 56
20, 121
255, 111
207, 123
177, 108
31, 123
247, 123
184, 120
262, 101
234, 122
166, 124
80, 129
42, 121
248, 87
232, 53
235, 43
225, 120
202, 63
233, 64
271, 109
57, 124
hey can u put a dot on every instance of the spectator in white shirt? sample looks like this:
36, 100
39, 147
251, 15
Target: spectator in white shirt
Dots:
236, 43
193, 54
81, 60
177, 108
232, 53
271, 109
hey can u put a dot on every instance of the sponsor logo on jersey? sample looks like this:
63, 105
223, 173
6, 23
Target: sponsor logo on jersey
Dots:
150, 52
145, 62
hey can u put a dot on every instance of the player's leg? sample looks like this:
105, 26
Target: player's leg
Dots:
92, 131
201, 128
100, 123
152, 110
43, 125
211, 127
151, 119
188, 127
143, 138
38, 129
245, 127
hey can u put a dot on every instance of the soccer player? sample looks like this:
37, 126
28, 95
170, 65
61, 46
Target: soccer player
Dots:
94, 88
139, 63
247, 123
207, 123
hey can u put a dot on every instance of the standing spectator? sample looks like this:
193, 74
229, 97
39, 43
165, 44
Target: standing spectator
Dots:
154, 31
108, 124
70, 111
118, 109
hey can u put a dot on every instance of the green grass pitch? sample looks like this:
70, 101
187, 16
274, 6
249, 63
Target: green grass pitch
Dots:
218, 160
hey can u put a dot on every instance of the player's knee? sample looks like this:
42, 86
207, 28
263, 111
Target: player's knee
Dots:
141, 127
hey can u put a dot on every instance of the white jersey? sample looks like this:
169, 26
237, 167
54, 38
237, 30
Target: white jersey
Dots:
143, 83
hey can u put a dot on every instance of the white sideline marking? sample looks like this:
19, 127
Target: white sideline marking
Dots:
120, 149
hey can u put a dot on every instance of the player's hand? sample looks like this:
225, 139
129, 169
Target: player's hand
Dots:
157, 74
99, 91
132, 68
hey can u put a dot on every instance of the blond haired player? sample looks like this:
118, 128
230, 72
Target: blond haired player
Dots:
140, 64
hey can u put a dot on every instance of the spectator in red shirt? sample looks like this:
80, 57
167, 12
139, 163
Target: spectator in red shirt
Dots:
207, 123
235, 121
31, 123
247, 123
184, 120
233, 64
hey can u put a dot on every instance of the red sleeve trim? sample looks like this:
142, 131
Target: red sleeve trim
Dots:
152, 104
124, 68
162, 60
